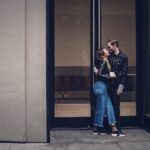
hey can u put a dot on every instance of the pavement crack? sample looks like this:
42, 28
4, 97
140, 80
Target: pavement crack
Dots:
11, 146
119, 146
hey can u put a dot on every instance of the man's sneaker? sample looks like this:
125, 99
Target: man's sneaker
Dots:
99, 131
121, 133
118, 133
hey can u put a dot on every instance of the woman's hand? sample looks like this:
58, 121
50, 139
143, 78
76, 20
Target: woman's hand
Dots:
95, 70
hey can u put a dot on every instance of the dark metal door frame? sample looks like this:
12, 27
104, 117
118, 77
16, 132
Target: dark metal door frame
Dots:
49, 64
143, 42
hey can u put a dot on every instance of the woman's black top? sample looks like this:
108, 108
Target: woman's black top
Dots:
103, 71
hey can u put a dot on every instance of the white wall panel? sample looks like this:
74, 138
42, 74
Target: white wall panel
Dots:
12, 70
36, 70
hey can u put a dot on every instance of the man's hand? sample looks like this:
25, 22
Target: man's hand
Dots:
112, 75
120, 89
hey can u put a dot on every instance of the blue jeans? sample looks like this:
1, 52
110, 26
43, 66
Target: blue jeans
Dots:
103, 105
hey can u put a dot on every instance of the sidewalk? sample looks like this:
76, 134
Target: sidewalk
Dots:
136, 139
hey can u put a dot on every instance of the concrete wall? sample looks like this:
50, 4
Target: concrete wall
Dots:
36, 70
22, 70
12, 70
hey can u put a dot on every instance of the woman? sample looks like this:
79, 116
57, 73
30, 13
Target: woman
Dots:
103, 104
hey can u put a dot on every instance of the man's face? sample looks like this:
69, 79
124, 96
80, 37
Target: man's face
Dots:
110, 47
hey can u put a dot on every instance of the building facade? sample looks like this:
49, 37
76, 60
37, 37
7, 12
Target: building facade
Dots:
47, 50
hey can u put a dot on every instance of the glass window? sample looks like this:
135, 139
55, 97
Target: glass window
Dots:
72, 58
118, 21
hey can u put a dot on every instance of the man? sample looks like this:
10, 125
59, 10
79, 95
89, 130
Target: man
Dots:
119, 65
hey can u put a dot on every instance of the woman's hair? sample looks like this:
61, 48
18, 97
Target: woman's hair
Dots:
100, 55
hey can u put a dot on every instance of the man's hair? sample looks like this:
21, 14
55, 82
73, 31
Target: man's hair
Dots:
113, 42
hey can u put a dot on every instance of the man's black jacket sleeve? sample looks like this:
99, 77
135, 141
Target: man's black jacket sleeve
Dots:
124, 70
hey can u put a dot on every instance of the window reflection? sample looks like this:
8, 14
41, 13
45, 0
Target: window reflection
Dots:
118, 21
72, 58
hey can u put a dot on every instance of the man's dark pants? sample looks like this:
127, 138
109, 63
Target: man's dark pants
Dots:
116, 102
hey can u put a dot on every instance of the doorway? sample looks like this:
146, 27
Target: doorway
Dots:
80, 27
118, 21
72, 63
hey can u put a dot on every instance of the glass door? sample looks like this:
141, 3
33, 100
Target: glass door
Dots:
73, 54
72, 60
118, 20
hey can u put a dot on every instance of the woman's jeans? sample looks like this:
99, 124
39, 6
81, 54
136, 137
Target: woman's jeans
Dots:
103, 105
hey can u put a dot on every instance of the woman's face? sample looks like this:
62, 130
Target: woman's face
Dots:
106, 52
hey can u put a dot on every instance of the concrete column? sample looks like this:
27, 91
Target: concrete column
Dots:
12, 70
36, 70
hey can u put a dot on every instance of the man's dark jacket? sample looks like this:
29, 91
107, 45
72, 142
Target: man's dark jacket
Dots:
119, 65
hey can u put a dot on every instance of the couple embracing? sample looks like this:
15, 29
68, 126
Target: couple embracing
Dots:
110, 71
